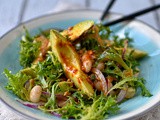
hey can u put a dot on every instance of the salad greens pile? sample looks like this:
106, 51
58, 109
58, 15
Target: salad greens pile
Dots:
83, 72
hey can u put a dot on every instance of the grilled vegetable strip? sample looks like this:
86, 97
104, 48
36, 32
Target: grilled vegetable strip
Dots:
70, 61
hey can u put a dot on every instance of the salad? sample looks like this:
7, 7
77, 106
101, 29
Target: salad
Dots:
84, 72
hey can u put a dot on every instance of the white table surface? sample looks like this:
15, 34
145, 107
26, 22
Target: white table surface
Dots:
13, 12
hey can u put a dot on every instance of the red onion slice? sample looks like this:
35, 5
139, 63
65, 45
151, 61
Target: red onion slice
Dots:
55, 114
121, 95
29, 104
46, 93
101, 78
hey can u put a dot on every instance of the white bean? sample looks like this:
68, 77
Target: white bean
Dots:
87, 62
100, 66
35, 93
87, 65
98, 85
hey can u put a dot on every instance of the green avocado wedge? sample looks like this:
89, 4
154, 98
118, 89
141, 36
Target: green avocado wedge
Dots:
72, 33
137, 54
70, 62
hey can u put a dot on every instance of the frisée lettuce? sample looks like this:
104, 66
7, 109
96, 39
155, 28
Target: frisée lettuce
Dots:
84, 72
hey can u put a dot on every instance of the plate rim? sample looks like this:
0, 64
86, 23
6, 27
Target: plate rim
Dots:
62, 12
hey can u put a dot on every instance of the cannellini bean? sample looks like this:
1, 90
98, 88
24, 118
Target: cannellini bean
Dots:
130, 92
87, 65
35, 93
87, 61
100, 66
98, 85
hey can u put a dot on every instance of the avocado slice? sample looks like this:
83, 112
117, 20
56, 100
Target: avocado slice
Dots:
70, 62
72, 33
137, 54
